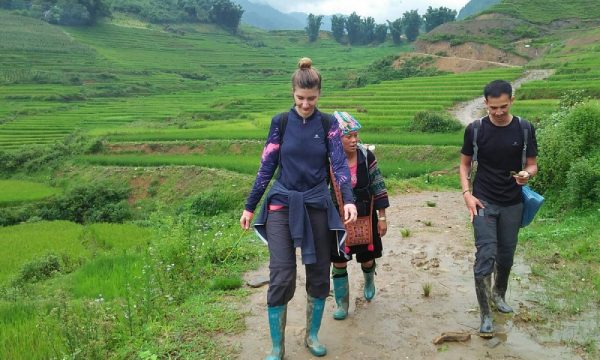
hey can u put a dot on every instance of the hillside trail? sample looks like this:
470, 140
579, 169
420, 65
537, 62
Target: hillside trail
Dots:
500, 64
470, 110
400, 323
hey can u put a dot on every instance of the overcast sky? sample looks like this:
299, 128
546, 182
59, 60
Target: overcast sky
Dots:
381, 10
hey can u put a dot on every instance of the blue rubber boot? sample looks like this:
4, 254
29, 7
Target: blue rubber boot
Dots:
314, 315
341, 291
277, 320
369, 290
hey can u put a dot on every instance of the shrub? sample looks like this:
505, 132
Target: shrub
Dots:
68, 14
193, 76
95, 147
572, 98
231, 282
35, 158
384, 69
39, 269
76, 12
583, 182
96, 202
434, 122
15, 215
457, 41
213, 202
569, 153
526, 31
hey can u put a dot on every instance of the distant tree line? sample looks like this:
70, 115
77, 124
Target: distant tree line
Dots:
65, 12
224, 13
356, 30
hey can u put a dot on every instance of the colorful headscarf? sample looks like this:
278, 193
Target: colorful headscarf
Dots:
346, 122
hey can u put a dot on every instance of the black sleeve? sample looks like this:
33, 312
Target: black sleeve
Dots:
467, 147
370, 158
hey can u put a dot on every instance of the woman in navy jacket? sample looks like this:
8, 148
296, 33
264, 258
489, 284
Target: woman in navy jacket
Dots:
298, 210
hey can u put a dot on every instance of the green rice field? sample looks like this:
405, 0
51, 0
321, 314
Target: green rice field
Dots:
71, 241
17, 191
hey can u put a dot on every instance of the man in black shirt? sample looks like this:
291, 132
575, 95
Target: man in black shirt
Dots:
495, 203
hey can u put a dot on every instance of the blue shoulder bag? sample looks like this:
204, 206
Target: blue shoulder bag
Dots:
532, 201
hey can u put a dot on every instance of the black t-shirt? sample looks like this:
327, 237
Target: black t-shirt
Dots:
500, 152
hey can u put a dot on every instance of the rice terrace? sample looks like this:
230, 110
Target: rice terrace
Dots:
131, 132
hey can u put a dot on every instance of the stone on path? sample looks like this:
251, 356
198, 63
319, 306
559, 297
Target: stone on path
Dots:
452, 336
493, 342
258, 281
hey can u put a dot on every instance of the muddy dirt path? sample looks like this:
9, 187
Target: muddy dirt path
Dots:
464, 59
400, 323
470, 110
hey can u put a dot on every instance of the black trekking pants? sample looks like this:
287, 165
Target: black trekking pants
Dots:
282, 257
496, 233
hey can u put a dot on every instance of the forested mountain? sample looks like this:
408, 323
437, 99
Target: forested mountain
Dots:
475, 6
266, 17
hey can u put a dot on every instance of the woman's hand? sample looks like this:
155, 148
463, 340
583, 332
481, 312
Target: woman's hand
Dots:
246, 219
382, 227
350, 213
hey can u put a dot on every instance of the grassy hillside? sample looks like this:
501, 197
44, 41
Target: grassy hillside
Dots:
555, 35
138, 83
545, 12
512, 24
56, 80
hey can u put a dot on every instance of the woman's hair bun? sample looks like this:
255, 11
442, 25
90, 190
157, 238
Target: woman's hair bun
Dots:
305, 63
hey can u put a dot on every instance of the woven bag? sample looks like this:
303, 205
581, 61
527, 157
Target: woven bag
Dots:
361, 231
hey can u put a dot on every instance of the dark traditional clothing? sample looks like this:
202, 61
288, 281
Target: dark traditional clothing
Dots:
369, 185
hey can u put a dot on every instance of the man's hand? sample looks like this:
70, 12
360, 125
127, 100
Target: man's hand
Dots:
522, 177
472, 204
350, 213
246, 219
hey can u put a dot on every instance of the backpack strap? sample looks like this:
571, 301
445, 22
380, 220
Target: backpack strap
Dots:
476, 126
283, 125
474, 162
326, 120
526, 126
